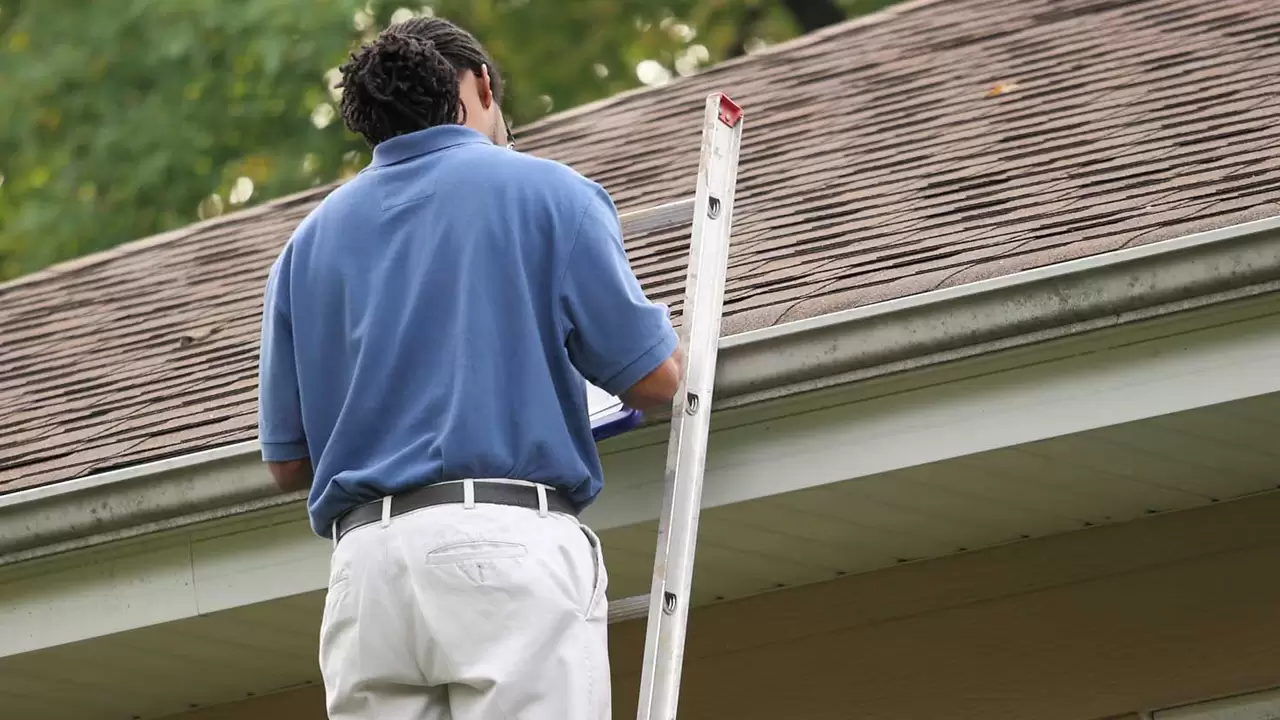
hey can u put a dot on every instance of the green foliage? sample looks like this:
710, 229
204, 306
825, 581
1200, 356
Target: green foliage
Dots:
121, 119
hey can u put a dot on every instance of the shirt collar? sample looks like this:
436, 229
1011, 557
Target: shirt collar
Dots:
403, 147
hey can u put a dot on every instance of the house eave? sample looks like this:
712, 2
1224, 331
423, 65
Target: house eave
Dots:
754, 367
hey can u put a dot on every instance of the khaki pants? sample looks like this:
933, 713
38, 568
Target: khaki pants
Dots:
456, 613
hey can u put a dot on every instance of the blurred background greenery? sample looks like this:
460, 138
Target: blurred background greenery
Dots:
123, 118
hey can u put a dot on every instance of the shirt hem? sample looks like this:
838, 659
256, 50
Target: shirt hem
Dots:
283, 451
645, 363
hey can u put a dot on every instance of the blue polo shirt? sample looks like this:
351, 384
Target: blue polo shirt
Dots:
432, 319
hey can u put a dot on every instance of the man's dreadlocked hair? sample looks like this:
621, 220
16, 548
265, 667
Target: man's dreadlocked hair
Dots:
407, 79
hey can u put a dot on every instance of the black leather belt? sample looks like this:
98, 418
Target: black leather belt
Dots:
492, 493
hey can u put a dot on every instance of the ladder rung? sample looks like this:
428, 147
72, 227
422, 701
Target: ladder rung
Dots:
630, 608
658, 217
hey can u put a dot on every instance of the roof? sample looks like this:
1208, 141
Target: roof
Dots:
930, 145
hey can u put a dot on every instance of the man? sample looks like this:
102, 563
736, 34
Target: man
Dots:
425, 335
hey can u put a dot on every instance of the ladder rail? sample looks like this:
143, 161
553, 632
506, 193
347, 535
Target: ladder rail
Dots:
712, 212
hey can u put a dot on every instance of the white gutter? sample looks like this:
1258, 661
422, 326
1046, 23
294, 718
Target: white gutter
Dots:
842, 347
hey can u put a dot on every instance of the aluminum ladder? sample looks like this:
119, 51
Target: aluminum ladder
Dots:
711, 209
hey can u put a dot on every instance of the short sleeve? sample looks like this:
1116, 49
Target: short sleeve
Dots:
279, 409
614, 335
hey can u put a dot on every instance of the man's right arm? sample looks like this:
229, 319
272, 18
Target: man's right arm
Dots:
655, 390
616, 338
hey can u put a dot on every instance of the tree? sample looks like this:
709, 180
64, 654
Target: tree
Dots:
121, 119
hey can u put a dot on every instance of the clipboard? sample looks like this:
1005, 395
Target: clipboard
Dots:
609, 417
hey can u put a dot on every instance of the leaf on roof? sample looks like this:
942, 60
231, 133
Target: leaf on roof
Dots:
1001, 88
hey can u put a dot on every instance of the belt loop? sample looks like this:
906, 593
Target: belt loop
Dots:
469, 494
334, 532
386, 510
542, 500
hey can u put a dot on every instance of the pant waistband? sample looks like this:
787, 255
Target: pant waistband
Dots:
468, 493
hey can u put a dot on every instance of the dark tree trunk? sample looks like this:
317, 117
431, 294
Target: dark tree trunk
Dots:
814, 14
745, 28
809, 15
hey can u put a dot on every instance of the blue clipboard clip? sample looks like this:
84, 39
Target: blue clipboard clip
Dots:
609, 417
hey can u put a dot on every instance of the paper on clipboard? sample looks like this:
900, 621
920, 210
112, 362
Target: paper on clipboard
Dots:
609, 417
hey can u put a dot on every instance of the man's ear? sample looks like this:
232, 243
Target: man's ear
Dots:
484, 87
